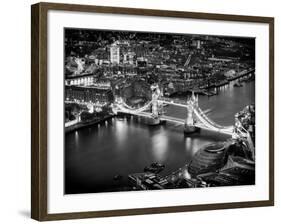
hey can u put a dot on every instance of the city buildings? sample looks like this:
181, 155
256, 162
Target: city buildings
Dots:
114, 54
88, 94
126, 102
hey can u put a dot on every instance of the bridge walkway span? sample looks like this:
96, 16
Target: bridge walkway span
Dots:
204, 121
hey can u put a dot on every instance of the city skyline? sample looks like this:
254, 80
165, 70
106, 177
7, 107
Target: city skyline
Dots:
160, 87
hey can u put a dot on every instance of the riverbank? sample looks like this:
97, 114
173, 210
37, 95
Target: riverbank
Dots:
85, 124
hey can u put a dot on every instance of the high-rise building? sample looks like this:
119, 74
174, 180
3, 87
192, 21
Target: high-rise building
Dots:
114, 54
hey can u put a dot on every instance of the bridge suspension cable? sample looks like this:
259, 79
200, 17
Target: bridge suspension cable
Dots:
203, 118
212, 123
128, 108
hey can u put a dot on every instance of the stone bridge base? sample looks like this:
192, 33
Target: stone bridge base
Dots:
188, 129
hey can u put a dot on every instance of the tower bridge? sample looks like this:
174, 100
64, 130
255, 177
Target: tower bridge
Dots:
196, 118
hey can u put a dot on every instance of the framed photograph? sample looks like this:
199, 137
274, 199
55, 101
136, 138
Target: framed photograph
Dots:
139, 111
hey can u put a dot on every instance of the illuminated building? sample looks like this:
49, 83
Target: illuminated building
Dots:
88, 94
80, 80
131, 56
114, 54
87, 80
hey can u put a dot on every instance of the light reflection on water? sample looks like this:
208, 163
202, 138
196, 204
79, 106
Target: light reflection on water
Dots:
191, 145
121, 132
76, 139
159, 147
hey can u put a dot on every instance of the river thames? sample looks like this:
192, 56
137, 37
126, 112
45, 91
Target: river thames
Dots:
121, 146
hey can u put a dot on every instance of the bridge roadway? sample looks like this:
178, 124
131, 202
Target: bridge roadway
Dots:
162, 117
227, 131
204, 121
172, 119
179, 103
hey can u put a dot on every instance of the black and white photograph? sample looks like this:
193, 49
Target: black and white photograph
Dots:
157, 111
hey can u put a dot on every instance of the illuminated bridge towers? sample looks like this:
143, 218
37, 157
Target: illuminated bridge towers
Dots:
156, 93
189, 125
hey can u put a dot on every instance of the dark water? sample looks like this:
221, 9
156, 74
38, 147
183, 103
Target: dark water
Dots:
94, 155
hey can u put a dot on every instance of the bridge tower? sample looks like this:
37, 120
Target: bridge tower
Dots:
189, 126
154, 108
155, 104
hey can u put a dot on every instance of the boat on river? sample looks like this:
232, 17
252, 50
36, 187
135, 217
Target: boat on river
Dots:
154, 168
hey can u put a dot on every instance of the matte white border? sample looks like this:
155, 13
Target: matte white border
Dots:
59, 203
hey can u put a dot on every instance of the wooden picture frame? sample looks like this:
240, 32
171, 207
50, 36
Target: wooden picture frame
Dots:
39, 108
